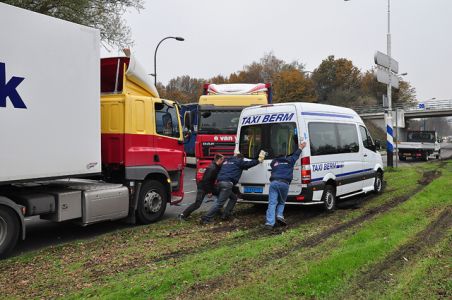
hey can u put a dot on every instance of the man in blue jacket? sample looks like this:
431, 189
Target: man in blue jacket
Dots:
281, 176
229, 175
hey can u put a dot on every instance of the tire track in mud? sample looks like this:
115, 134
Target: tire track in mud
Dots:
230, 280
428, 237
254, 232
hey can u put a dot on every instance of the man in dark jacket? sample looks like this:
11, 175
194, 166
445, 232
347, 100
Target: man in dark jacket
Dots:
281, 176
229, 175
206, 186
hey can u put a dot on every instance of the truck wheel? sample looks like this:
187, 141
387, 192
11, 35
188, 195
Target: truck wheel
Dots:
152, 202
402, 158
329, 198
9, 231
378, 185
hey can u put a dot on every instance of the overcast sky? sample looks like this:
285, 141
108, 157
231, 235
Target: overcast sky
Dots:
223, 36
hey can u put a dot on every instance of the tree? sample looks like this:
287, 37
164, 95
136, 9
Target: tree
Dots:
292, 85
333, 74
105, 15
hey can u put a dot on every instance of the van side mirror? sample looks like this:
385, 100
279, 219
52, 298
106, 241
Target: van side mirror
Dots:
377, 145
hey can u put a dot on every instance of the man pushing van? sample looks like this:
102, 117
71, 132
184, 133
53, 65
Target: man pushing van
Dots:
228, 176
281, 176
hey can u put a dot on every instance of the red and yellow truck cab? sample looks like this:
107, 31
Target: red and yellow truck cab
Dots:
219, 112
142, 140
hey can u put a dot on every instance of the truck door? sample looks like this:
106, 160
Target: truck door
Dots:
169, 151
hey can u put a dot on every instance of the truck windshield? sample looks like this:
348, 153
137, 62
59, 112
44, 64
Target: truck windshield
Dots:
419, 136
221, 121
277, 139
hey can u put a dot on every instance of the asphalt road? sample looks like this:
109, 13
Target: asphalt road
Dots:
41, 233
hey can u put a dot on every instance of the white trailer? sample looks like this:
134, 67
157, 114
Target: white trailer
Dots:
49, 97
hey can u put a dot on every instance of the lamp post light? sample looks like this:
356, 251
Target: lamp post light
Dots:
177, 38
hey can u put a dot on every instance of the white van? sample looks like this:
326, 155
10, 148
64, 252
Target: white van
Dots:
340, 159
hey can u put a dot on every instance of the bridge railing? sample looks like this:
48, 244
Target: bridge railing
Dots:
437, 105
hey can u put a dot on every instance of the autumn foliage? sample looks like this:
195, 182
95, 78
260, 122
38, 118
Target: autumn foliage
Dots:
334, 81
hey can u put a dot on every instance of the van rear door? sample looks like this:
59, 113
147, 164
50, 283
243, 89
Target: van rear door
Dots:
274, 130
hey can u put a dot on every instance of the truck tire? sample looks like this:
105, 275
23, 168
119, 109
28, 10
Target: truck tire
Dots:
9, 231
402, 158
329, 198
151, 202
378, 185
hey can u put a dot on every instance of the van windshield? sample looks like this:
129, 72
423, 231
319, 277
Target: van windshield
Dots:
277, 139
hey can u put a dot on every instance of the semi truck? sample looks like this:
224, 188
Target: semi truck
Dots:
83, 139
420, 145
218, 115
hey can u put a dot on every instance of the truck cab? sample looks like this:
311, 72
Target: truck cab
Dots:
218, 115
141, 137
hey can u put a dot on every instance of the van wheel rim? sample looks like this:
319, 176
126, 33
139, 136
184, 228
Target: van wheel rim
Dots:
3, 230
378, 184
152, 202
329, 200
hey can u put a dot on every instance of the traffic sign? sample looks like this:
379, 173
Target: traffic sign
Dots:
382, 59
422, 105
383, 77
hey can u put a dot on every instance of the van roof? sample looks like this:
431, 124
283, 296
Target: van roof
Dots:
313, 110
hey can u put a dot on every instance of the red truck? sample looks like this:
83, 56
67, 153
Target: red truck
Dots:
219, 112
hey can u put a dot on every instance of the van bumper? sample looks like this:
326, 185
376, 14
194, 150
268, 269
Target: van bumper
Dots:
307, 192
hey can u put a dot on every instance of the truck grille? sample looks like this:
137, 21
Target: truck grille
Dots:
211, 148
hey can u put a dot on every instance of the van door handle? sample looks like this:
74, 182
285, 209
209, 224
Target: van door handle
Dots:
365, 155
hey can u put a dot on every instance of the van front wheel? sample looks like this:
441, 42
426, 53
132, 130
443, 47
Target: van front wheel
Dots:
329, 198
378, 185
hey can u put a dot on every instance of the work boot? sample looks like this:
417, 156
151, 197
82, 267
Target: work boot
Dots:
281, 221
268, 227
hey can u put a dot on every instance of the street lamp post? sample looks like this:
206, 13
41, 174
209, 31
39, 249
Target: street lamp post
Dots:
389, 130
177, 38
390, 140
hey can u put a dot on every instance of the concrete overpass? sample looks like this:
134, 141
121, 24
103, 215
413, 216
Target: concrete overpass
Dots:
430, 109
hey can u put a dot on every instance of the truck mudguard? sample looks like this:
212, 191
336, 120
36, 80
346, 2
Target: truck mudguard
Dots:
140, 172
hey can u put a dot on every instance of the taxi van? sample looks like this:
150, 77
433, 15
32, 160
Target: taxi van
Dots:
339, 161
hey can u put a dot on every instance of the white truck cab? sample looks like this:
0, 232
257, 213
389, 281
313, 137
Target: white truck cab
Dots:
340, 159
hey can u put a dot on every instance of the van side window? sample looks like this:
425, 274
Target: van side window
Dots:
323, 138
166, 120
348, 138
367, 139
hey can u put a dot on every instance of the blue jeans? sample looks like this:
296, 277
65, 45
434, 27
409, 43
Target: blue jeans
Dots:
224, 194
276, 200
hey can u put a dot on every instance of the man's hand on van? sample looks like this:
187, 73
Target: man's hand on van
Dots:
302, 145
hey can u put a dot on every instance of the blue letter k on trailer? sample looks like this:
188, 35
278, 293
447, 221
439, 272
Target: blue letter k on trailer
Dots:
8, 89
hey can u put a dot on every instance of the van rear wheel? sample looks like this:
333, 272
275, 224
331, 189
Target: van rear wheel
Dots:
329, 198
9, 231
152, 202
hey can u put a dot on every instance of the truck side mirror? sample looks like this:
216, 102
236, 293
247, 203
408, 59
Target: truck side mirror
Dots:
188, 121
